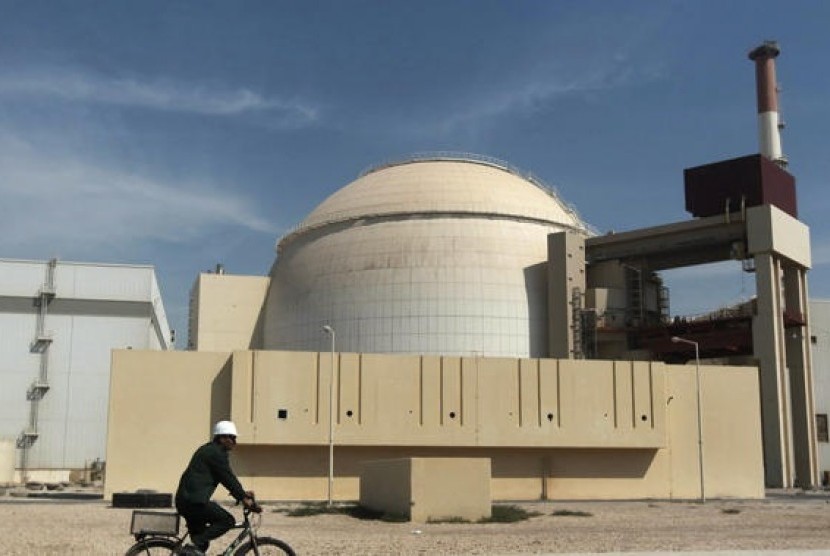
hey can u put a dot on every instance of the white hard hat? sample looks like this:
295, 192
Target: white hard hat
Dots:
224, 427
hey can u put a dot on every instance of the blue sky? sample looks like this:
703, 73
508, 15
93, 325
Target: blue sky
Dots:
185, 134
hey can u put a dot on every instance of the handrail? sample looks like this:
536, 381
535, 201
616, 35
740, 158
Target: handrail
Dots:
451, 156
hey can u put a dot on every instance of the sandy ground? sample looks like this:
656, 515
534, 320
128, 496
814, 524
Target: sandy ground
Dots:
782, 522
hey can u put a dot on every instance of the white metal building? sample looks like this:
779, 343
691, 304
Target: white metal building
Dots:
59, 322
820, 341
431, 255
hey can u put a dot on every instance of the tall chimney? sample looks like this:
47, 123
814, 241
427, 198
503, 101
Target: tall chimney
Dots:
769, 124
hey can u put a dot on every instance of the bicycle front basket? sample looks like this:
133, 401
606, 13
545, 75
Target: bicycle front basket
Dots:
154, 523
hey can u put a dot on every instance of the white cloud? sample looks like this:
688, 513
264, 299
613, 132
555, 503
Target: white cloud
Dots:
535, 88
558, 62
55, 200
522, 98
162, 95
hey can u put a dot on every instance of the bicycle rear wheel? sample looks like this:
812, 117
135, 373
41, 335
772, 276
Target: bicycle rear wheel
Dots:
267, 546
152, 547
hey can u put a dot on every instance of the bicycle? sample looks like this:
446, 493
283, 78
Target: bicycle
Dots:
158, 533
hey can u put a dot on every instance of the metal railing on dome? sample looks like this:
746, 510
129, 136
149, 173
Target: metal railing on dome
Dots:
481, 159
442, 156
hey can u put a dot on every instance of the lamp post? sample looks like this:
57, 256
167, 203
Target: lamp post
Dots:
679, 340
329, 330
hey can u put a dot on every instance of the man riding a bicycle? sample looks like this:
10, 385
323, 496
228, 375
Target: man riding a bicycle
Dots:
209, 467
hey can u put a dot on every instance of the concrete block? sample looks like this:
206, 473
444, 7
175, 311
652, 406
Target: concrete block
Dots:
427, 489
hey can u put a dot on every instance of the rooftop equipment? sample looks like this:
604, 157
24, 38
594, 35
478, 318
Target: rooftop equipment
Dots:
732, 185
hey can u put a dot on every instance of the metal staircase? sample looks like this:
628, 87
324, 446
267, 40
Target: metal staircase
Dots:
40, 386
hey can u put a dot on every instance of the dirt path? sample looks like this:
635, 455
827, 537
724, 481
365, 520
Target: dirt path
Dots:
779, 523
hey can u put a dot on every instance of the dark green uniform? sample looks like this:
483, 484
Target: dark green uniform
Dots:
208, 468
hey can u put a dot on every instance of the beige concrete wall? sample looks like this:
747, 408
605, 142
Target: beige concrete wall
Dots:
300, 472
426, 489
732, 446
228, 311
618, 429
448, 401
162, 406
743, 434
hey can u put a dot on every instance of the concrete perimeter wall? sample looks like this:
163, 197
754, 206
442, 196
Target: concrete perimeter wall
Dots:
162, 406
557, 429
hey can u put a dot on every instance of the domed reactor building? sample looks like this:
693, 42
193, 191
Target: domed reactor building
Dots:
430, 255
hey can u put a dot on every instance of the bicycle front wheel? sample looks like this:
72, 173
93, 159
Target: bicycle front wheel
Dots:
152, 547
265, 546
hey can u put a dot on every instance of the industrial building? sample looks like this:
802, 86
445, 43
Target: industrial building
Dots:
59, 322
373, 286
452, 306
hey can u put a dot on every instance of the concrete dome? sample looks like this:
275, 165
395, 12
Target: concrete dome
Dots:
440, 255
443, 185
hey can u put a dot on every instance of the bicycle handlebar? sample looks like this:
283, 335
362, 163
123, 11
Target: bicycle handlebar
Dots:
253, 508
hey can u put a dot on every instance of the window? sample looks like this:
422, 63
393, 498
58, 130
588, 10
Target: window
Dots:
813, 340
821, 427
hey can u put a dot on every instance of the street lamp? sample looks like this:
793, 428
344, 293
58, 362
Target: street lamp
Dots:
679, 340
329, 330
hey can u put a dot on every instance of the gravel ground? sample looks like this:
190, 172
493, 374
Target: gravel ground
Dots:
777, 523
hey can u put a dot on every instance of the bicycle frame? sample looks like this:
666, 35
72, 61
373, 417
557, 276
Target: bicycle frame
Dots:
248, 530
